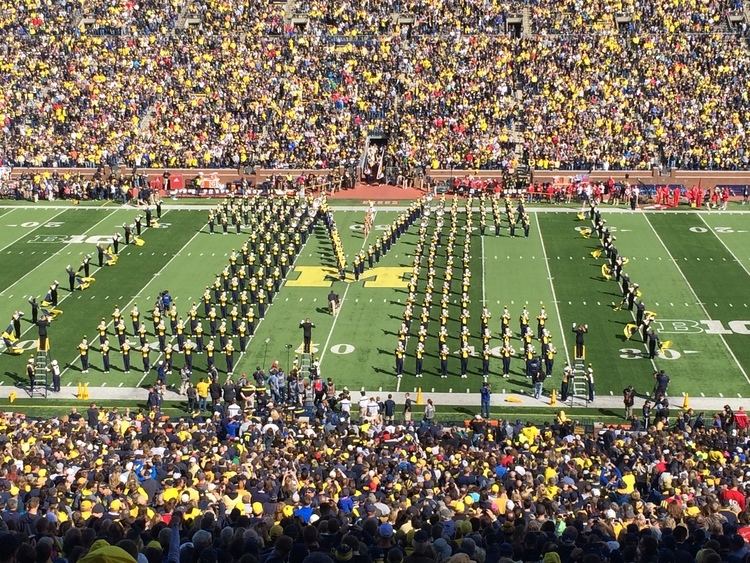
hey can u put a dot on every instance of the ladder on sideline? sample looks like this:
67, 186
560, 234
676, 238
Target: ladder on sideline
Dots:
304, 366
40, 375
580, 381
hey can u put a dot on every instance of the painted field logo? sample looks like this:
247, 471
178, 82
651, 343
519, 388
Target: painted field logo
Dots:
321, 276
687, 326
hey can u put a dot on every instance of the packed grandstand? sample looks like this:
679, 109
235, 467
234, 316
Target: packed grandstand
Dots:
613, 84
453, 84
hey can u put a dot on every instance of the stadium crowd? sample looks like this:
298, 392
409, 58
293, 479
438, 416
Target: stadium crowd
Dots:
253, 486
451, 90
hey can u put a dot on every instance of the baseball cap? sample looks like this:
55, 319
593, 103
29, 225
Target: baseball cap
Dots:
385, 530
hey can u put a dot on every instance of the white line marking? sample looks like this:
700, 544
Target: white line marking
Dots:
724, 244
484, 289
690, 287
31, 230
55, 254
141, 290
341, 306
552, 287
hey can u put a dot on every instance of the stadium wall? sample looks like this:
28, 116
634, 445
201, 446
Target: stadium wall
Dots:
706, 178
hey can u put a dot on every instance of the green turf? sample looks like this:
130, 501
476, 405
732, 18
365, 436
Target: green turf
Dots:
181, 259
718, 282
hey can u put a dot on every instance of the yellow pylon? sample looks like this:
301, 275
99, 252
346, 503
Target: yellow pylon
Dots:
553, 397
420, 398
12, 397
685, 402
86, 391
79, 394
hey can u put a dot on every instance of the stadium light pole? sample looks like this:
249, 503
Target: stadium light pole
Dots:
288, 353
265, 352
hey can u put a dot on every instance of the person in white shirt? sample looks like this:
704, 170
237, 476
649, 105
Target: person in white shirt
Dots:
373, 410
346, 405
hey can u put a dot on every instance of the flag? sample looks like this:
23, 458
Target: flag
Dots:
585, 232
630, 330
605, 272
665, 345
580, 216
138, 241
596, 253
381, 171
9, 336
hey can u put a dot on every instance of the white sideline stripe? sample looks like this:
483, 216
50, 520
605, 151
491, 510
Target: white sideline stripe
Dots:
632, 315
552, 287
32, 230
341, 305
484, 288
724, 244
124, 307
55, 254
690, 287
93, 271
252, 336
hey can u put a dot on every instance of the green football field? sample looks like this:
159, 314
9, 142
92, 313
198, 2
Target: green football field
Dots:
693, 269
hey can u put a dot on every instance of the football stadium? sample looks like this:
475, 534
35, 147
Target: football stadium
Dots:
453, 281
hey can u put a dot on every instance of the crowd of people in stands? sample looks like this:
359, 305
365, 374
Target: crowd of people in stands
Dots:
106, 485
450, 89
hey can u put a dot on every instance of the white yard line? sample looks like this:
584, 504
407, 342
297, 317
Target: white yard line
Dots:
40, 225
484, 289
700, 215
127, 305
552, 287
278, 293
93, 271
697, 299
632, 315
56, 254
341, 305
